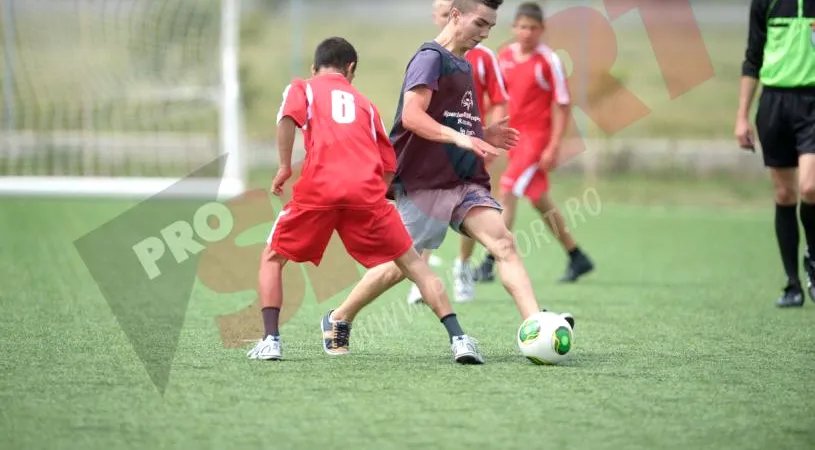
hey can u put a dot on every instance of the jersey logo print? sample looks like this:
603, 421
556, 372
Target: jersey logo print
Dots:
467, 100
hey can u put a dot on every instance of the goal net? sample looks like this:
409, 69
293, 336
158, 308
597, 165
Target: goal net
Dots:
119, 97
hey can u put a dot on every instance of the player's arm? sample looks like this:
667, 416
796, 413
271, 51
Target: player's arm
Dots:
293, 114
561, 105
498, 112
286, 132
560, 111
753, 56
416, 119
383, 143
421, 81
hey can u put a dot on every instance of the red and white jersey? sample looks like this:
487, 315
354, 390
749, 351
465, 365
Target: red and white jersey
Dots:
533, 85
347, 148
489, 82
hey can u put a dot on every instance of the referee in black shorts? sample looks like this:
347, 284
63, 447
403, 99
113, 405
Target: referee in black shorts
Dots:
781, 55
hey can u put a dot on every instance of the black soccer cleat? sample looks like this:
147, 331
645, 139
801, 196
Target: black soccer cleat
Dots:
793, 297
568, 317
809, 268
578, 266
485, 272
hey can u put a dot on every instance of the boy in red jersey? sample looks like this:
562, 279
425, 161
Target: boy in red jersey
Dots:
349, 164
538, 108
491, 96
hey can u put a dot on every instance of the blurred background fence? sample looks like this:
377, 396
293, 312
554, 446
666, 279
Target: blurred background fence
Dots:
131, 87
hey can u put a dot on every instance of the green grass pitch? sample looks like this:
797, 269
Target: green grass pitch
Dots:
678, 346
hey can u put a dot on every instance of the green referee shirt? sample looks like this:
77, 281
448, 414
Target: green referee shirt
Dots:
781, 43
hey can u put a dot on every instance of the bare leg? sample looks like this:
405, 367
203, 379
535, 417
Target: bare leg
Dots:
430, 285
414, 295
510, 203
486, 226
426, 255
374, 283
466, 249
555, 222
270, 289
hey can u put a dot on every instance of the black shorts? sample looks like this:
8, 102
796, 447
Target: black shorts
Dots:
785, 123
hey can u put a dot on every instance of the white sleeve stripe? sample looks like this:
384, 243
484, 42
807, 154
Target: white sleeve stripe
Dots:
283, 104
539, 78
309, 102
561, 90
481, 72
498, 75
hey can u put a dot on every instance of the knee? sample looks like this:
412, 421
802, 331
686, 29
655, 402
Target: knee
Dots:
785, 195
270, 258
505, 247
808, 191
392, 274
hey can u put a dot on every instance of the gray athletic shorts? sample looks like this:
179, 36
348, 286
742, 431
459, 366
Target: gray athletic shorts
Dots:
427, 213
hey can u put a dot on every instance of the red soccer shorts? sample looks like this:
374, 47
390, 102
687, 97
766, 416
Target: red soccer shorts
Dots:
371, 236
523, 177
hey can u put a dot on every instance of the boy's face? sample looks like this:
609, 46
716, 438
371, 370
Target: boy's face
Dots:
441, 12
473, 27
527, 32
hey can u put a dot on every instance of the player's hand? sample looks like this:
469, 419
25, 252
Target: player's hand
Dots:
477, 146
283, 174
548, 159
744, 134
500, 135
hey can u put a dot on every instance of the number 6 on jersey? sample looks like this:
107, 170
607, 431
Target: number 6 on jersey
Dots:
342, 107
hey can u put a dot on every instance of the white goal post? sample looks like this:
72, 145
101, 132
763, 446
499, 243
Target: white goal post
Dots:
120, 98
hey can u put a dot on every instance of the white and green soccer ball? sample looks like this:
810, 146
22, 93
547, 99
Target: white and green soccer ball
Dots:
546, 338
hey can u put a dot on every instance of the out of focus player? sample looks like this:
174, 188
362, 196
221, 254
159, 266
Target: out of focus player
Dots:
440, 179
538, 107
491, 96
349, 164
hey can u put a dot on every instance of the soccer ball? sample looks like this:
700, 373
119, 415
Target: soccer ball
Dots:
545, 338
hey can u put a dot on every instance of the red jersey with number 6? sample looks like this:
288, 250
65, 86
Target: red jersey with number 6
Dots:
533, 85
347, 149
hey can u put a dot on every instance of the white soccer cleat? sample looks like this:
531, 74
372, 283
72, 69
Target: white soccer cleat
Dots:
465, 350
267, 349
414, 296
463, 282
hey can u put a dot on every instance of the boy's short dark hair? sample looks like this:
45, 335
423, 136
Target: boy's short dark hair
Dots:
335, 52
467, 5
531, 10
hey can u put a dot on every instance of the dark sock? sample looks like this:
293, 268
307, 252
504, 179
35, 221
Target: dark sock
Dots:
270, 319
808, 221
574, 253
786, 231
450, 322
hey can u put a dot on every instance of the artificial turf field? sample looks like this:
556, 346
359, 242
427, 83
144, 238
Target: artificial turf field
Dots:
678, 346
